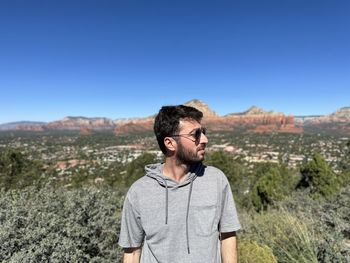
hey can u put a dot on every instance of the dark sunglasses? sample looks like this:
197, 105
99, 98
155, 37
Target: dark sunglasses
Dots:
196, 135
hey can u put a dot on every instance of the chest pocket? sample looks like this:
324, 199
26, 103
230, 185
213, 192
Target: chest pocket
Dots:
205, 219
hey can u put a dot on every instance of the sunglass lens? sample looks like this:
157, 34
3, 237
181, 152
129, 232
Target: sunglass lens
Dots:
199, 133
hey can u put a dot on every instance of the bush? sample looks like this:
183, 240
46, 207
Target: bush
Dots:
17, 170
251, 252
267, 189
329, 220
274, 183
319, 177
344, 178
289, 238
60, 225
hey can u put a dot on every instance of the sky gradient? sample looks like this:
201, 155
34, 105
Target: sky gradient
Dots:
120, 59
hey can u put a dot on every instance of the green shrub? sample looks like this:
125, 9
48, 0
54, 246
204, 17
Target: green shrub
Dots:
250, 251
17, 170
274, 183
289, 238
344, 178
267, 189
60, 225
319, 177
329, 220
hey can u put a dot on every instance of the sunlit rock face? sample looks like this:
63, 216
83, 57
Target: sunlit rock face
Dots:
252, 120
77, 123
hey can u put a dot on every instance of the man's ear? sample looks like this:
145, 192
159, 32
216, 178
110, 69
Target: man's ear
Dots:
170, 143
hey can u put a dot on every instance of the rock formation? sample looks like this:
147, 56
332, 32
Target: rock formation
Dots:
135, 126
77, 123
337, 122
253, 120
85, 131
36, 128
207, 112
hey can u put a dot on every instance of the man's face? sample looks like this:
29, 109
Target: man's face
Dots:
190, 149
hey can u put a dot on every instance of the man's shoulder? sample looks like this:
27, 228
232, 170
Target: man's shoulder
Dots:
141, 183
216, 174
138, 189
214, 171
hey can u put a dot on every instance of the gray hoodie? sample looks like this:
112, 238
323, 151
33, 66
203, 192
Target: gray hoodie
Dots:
178, 222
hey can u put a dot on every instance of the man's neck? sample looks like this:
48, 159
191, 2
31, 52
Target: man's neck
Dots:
175, 171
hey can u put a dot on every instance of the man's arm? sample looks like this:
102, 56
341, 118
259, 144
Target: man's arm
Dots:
229, 247
132, 255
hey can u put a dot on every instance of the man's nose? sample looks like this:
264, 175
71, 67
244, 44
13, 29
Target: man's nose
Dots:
204, 138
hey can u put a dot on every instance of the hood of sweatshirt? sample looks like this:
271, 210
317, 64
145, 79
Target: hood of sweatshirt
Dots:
155, 171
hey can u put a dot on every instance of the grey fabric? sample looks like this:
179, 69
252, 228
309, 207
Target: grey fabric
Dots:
178, 222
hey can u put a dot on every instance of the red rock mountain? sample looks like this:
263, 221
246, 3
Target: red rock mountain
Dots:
199, 105
341, 115
253, 120
72, 123
77, 123
135, 126
338, 122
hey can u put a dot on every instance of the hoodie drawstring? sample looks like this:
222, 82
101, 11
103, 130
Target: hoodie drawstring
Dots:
194, 173
187, 213
166, 201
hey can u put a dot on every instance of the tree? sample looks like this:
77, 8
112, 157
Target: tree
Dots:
344, 163
17, 170
267, 189
274, 183
319, 177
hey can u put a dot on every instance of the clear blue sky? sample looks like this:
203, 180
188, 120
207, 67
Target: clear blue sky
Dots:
126, 58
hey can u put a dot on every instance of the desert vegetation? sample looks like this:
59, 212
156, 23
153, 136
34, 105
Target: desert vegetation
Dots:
54, 209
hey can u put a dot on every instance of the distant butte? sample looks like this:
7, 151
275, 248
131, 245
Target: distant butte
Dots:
207, 112
253, 120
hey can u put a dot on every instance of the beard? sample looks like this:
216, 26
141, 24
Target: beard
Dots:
188, 157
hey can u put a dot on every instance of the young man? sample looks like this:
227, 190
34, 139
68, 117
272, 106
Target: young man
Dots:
180, 211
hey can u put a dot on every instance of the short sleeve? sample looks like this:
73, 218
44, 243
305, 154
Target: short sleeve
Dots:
229, 221
131, 231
